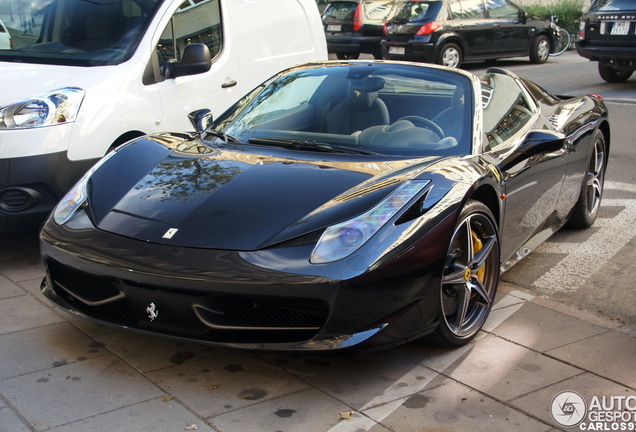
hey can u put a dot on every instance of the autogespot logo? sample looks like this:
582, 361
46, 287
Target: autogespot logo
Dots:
568, 409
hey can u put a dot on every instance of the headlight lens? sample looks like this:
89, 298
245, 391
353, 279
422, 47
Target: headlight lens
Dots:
76, 197
59, 106
341, 240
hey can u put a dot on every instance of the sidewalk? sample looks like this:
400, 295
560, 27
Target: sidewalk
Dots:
59, 373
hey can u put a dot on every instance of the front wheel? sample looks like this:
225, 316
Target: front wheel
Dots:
540, 49
612, 75
586, 208
450, 55
470, 277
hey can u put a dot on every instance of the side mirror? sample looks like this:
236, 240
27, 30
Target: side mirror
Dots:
196, 59
523, 16
200, 119
535, 143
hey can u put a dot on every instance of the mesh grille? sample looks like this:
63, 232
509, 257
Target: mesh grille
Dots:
253, 313
82, 284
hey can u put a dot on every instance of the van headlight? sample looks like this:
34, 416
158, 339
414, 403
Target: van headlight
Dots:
57, 107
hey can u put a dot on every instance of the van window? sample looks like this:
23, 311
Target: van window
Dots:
194, 22
79, 32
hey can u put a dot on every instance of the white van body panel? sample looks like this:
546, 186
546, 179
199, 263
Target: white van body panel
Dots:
258, 39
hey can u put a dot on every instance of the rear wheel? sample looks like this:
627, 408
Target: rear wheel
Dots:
612, 75
586, 209
540, 49
347, 56
470, 277
450, 55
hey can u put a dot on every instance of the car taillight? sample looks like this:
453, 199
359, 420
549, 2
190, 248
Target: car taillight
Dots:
357, 18
429, 28
582, 30
385, 28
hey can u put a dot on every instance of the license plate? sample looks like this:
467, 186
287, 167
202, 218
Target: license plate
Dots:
396, 50
620, 28
334, 27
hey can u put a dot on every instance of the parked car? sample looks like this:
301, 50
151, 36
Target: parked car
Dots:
103, 72
340, 205
355, 26
450, 32
608, 36
5, 37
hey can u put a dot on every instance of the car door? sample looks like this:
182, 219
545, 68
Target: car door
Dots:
217, 89
510, 32
531, 159
472, 28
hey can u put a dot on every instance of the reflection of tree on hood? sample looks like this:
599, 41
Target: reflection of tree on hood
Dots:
186, 179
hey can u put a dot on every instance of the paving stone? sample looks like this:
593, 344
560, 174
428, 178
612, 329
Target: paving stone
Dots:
587, 385
290, 413
64, 394
502, 369
24, 312
9, 422
154, 415
611, 355
226, 382
148, 353
355, 380
9, 289
455, 407
50, 346
542, 329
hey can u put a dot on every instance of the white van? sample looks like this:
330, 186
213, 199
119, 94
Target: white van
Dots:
86, 76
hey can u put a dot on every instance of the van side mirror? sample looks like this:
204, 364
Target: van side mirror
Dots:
196, 59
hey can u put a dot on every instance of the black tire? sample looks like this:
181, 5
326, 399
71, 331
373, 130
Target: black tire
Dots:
471, 273
450, 55
539, 49
612, 75
347, 56
587, 206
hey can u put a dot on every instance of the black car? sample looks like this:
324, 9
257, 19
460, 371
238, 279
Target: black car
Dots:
608, 36
355, 26
449, 32
340, 205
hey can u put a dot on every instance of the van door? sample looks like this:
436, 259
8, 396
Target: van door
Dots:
217, 89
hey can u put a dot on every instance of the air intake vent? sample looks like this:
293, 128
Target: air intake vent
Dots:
16, 199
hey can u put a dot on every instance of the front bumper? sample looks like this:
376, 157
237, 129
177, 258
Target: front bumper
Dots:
31, 186
232, 299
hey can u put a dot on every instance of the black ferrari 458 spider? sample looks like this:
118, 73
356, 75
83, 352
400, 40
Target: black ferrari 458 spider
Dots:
339, 205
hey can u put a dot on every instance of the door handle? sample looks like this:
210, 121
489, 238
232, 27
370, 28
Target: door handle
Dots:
229, 84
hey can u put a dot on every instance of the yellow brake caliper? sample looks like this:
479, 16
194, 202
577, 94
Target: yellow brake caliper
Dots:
477, 246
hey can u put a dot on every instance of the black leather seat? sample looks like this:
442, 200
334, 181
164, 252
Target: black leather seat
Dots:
362, 108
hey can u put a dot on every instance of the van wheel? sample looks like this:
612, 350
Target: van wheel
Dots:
612, 75
347, 56
450, 55
540, 49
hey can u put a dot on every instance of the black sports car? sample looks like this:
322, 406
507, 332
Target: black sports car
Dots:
340, 205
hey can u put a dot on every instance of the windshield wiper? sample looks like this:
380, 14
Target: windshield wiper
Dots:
310, 145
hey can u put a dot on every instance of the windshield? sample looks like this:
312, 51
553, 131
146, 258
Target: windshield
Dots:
385, 109
613, 5
74, 32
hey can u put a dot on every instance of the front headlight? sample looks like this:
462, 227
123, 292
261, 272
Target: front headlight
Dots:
341, 240
56, 107
76, 197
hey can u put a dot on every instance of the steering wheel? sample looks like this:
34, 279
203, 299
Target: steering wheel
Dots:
425, 123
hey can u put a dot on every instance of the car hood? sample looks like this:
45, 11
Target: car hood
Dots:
235, 197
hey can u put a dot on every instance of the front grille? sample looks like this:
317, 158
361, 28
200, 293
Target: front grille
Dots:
85, 286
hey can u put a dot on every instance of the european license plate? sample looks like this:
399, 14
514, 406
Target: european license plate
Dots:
334, 27
620, 28
396, 50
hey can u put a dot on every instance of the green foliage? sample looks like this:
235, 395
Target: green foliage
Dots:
569, 13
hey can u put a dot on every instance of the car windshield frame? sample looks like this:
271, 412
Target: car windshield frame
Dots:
259, 119
79, 32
